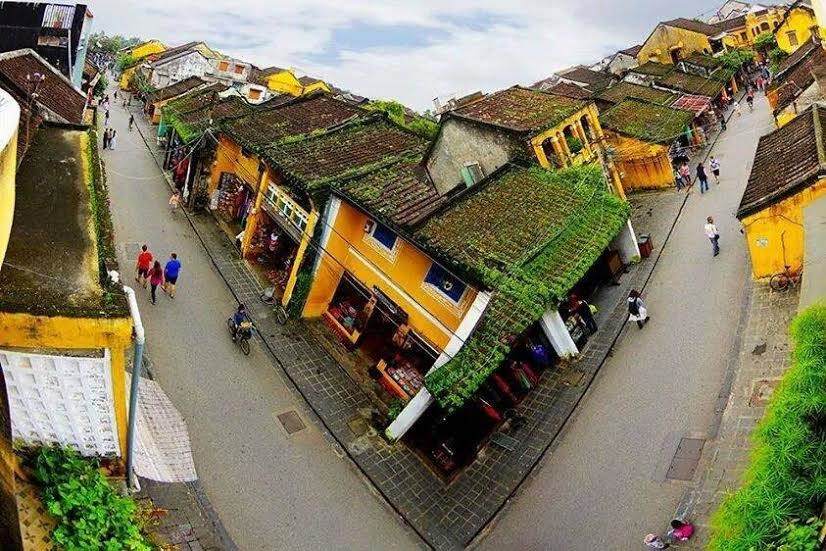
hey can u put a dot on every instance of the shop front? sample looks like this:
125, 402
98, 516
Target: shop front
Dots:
233, 201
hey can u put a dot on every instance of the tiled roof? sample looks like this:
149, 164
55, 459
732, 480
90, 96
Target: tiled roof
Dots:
594, 80
520, 109
625, 90
653, 68
795, 81
703, 60
363, 145
177, 89
264, 127
172, 52
632, 51
308, 80
693, 25
796, 57
646, 121
569, 91
530, 234
691, 84
195, 99
55, 93
787, 160
400, 194
191, 124
690, 102
731, 24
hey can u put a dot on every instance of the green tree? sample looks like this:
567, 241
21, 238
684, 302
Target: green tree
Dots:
765, 42
735, 59
100, 87
405, 117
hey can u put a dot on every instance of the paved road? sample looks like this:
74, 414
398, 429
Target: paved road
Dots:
271, 490
603, 486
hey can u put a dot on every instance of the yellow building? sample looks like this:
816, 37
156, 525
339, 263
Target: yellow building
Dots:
279, 80
797, 82
157, 99
796, 28
476, 139
310, 84
789, 173
671, 41
9, 117
744, 29
641, 134
138, 53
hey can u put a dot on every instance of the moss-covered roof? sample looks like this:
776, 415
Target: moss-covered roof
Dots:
530, 235
190, 125
647, 121
692, 84
625, 90
703, 60
653, 68
366, 144
521, 109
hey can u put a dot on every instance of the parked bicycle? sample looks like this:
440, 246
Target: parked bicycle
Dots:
785, 279
268, 297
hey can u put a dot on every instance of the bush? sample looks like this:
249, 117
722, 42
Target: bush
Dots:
100, 87
786, 479
90, 514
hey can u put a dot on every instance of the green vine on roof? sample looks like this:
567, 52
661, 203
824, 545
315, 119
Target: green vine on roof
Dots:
412, 121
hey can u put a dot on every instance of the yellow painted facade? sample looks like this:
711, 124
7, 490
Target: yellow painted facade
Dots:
63, 333
147, 48
399, 274
755, 24
8, 169
796, 29
642, 165
667, 41
285, 82
315, 86
775, 235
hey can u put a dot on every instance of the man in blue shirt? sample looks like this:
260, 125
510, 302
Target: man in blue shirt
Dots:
171, 272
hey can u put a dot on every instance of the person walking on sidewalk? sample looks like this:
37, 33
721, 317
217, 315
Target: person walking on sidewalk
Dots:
678, 179
131, 121
174, 201
105, 138
636, 309
170, 274
702, 177
715, 169
112, 139
155, 278
653, 541
685, 172
713, 235
143, 265
575, 304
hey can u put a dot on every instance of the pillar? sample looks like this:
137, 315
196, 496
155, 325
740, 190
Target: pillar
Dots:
733, 85
625, 243
416, 407
560, 152
554, 328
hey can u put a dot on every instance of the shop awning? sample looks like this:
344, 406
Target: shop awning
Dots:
692, 102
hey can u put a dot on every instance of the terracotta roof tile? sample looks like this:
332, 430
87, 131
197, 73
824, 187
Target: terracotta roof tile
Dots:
691, 84
792, 83
632, 51
693, 25
594, 80
653, 68
703, 60
520, 109
646, 121
569, 91
177, 89
731, 24
625, 90
795, 58
787, 160
56, 93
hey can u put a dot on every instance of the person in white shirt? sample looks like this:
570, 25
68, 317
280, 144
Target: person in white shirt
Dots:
713, 235
715, 169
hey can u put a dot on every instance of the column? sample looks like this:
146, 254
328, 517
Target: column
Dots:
554, 328
625, 243
539, 151
560, 152
733, 85
416, 407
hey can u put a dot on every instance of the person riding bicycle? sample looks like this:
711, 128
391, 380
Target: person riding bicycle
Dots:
131, 121
240, 319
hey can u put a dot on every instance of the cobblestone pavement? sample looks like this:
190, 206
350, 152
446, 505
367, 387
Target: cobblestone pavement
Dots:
763, 358
446, 517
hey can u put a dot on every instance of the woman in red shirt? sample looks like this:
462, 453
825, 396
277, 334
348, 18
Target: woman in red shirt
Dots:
155, 278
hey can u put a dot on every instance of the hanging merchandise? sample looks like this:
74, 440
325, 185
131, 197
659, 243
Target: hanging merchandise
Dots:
230, 188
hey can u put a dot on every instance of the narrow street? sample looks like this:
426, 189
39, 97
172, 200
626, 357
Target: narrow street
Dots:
271, 490
603, 485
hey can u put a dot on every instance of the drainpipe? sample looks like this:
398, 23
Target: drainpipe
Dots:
137, 365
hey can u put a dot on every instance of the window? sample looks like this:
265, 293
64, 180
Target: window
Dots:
239, 69
255, 94
445, 283
764, 26
384, 235
223, 65
792, 36
744, 37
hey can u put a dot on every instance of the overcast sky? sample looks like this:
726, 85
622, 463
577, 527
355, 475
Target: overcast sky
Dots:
410, 50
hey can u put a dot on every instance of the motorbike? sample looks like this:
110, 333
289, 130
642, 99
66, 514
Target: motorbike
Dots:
241, 334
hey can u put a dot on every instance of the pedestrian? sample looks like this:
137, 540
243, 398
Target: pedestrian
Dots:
652, 541
106, 115
575, 304
713, 235
685, 172
678, 179
721, 117
715, 169
679, 531
170, 273
105, 138
174, 201
636, 309
131, 121
702, 177
750, 98
155, 278
112, 136
737, 107
142, 265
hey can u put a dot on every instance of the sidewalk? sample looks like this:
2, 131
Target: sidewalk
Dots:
446, 517
763, 358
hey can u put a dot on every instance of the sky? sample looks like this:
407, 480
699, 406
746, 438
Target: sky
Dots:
408, 50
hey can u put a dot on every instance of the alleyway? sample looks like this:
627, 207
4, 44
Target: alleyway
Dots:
271, 490
603, 485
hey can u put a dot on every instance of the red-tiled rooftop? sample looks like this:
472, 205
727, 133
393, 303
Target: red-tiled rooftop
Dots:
520, 109
55, 93
793, 82
569, 91
177, 89
693, 25
594, 80
787, 161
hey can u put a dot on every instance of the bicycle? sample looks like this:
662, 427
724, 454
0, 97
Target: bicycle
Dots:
785, 279
268, 297
241, 334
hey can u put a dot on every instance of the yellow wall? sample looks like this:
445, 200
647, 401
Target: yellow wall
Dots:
642, 165
800, 21
778, 228
149, 48
27, 331
350, 249
230, 158
320, 85
126, 76
659, 44
285, 82
8, 169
